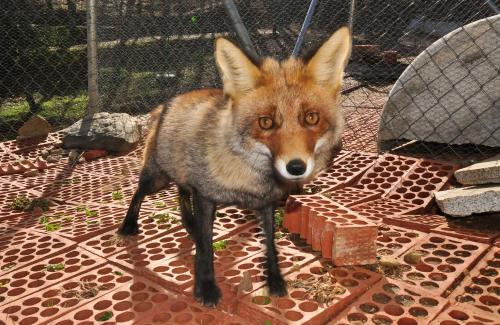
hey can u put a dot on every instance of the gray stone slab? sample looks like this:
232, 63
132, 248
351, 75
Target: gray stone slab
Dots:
450, 92
462, 202
484, 172
114, 132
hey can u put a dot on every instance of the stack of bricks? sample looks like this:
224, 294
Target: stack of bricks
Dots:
339, 233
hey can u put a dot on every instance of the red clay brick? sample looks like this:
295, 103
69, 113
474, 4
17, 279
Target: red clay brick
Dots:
344, 170
231, 220
109, 243
171, 264
290, 258
386, 174
47, 305
444, 262
419, 184
7, 198
392, 302
350, 196
424, 222
19, 248
299, 306
474, 232
395, 241
377, 210
142, 302
336, 231
45, 273
464, 314
354, 245
481, 286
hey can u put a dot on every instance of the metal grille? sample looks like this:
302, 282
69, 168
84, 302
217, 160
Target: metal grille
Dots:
150, 50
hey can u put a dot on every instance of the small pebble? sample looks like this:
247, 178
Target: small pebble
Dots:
413, 258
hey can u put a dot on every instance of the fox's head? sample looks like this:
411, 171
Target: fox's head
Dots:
287, 111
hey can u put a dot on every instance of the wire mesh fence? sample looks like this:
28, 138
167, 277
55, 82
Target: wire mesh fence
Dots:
151, 50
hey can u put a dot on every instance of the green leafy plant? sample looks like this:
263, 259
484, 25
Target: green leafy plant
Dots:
81, 208
40, 203
218, 245
278, 218
117, 195
23, 203
20, 203
44, 219
52, 227
106, 316
90, 213
118, 273
163, 218
159, 204
54, 267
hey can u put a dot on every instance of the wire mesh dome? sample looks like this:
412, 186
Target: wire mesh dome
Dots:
450, 94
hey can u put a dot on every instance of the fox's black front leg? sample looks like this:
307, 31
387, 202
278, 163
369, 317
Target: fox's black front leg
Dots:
275, 282
205, 288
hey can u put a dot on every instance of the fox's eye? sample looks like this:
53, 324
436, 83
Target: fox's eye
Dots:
312, 118
266, 122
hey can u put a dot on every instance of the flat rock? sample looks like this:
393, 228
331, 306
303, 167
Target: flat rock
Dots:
35, 127
484, 172
113, 132
462, 202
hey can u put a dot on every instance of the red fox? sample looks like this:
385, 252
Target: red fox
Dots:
272, 127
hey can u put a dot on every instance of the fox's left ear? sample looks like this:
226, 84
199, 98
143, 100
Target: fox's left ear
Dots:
327, 65
238, 72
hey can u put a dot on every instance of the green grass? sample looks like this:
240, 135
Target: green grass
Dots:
66, 107
117, 195
218, 245
23, 203
59, 111
52, 227
90, 213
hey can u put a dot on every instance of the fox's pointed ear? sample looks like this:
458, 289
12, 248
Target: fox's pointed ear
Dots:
327, 65
238, 72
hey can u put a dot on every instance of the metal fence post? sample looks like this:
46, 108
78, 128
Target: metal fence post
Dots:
240, 28
303, 29
351, 15
93, 90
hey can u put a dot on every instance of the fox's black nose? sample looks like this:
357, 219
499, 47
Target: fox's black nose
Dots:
296, 167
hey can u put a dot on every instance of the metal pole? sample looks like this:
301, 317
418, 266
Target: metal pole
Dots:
351, 14
303, 29
493, 6
240, 28
93, 90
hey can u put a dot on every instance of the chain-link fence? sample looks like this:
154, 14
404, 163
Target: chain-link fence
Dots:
150, 50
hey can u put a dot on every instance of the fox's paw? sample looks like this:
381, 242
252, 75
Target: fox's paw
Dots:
207, 293
128, 230
277, 286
